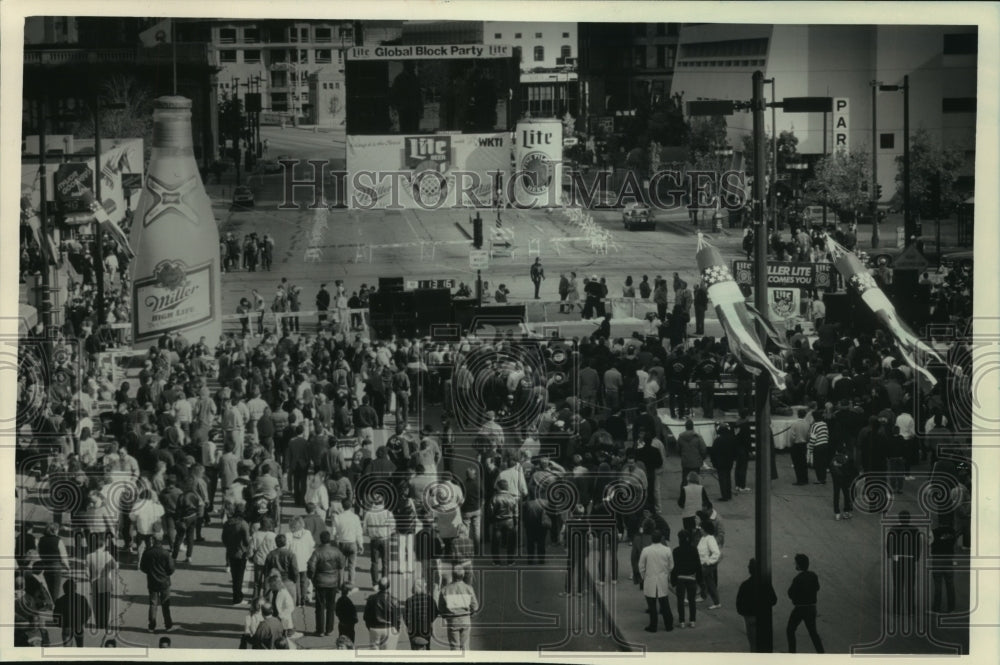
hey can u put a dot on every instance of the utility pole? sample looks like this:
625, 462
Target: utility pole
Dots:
824, 156
762, 497
909, 227
43, 218
875, 237
774, 155
98, 231
238, 123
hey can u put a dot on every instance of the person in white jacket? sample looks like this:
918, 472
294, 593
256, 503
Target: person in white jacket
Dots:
301, 544
709, 553
655, 563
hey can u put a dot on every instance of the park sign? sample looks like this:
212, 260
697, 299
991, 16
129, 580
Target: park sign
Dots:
787, 275
841, 122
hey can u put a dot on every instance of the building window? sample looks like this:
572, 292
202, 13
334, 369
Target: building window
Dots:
251, 55
565, 52
346, 32
304, 35
639, 56
340, 56
279, 79
303, 56
497, 35
323, 56
538, 35
661, 29
279, 101
565, 35
251, 35
887, 141
961, 44
539, 53
227, 35
958, 105
227, 56
661, 55
293, 35
517, 35
322, 35
671, 56
672, 29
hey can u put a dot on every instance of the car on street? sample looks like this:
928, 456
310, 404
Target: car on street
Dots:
270, 166
243, 197
638, 215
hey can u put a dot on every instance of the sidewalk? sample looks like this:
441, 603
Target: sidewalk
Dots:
846, 555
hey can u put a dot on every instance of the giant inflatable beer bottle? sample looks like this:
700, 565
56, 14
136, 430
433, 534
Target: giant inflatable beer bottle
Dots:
176, 274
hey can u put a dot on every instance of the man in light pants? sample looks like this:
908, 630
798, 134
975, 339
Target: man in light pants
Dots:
457, 603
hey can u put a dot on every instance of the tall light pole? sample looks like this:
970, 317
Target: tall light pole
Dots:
874, 204
908, 223
762, 497
773, 203
43, 218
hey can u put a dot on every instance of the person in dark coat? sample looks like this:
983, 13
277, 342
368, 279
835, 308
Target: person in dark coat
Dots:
802, 593
347, 613
322, 303
652, 460
536, 527
686, 576
744, 447
158, 566
723, 453
746, 603
419, 613
72, 611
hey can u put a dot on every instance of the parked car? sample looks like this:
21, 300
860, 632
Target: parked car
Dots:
270, 166
243, 197
638, 215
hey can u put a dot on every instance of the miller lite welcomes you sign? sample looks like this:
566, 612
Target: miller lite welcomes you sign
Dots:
783, 303
538, 163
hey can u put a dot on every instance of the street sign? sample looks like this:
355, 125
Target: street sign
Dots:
710, 107
807, 104
910, 259
479, 259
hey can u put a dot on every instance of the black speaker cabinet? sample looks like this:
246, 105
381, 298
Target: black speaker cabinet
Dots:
390, 284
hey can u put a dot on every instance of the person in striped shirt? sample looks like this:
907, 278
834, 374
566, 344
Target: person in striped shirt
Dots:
819, 445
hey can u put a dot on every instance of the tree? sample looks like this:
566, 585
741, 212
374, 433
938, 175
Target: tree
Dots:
929, 160
666, 123
705, 136
841, 182
787, 150
133, 120
230, 117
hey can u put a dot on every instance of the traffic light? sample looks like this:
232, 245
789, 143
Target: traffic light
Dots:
477, 231
878, 192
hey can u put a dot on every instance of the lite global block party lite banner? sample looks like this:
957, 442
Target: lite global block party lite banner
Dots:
426, 171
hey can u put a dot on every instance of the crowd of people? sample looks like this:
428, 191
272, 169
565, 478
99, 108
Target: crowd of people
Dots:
282, 436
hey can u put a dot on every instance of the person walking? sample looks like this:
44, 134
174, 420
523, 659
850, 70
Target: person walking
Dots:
382, 617
379, 525
322, 303
799, 435
819, 443
655, 565
101, 569
660, 299
158, 566
723, 455
72, 611
457, 603
692, 449
686, 577
350, 538
563, 291
301, 544
700, 307
325, 567
236, 538
347, 613
572, 294
419, 613
505, 509
746, 603
709, 553
537, 274
942, 550
803, 592
843, 472
692, 499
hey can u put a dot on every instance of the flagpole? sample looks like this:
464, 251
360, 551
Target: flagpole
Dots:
762, 496
173, 47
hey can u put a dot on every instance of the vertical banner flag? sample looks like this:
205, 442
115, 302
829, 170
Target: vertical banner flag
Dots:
783, 304
538, 163
856, 275
735, 315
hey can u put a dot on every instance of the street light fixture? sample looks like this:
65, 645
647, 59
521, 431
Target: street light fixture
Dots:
724, 156
909, 230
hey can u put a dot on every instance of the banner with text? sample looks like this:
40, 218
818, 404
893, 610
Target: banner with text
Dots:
426, 171
429, 51
538, 160
795, 275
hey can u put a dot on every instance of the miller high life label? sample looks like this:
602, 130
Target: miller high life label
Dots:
175, 297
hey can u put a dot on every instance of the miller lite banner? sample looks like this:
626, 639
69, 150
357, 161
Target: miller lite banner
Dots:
783, 304
538, 163
427, 171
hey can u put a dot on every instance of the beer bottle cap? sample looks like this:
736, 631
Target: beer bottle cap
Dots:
172, 102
